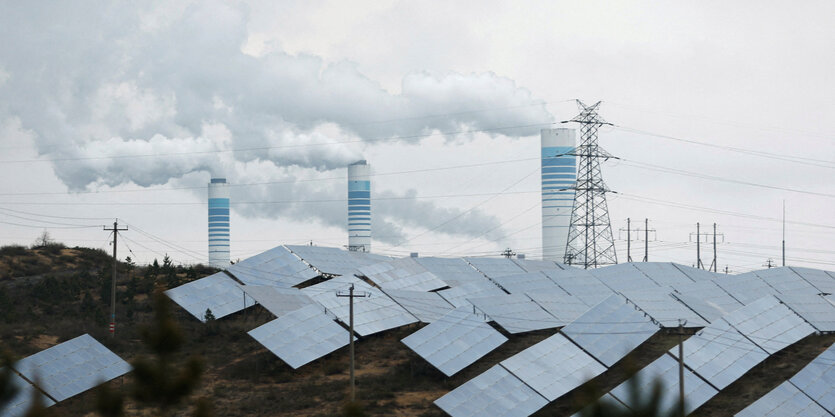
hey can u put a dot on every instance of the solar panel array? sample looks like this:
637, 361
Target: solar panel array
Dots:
664, 308
610, 329
72, 367
402, 274
515, 313
495, 267
565, 308
334, 261
459, 294
301, 336
812, 308
216, 292
277, 300
19, 404
707, 299
277, 266
666, 371
821, 280
533, 265
527, 282
372, 314
817, 379
769, 324
553, 367
426, 306
496, 392
454, 341
784, 401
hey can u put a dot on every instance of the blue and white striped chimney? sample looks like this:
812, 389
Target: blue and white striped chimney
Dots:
359, 207
559, 172
219, 223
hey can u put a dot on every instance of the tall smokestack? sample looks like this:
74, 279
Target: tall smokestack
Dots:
359, 207
219, 223
559, 173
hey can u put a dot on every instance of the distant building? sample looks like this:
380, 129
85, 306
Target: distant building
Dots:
219, 223
359, 207
559, 174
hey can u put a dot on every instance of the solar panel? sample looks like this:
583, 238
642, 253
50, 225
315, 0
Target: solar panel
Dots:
426, 306
665, 370
301, 336
785, 280
553, 367
275, 265
372, 314
720, 354
745, 288
784, 401
447, 266
402, 274
623, 277
566, 308
707, 299
459, 294
216, 292
527, 282
769, 324
454, 341
533, 265
610, 329
18, 405
581, 284
663, 273
697, 274
820, 279
813, 308
665, 309
608, 400
72, 367
495, 392
495, 267
278, 301
335, 261
516, 313
817, 379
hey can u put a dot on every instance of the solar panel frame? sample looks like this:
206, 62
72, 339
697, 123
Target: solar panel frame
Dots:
720, 354
301, 336
553, 367
454, 341
72, 367
665, 369
769, 324
817, 379
611, 329
494, 393
784, 401
516, 313
19, 404
216, 292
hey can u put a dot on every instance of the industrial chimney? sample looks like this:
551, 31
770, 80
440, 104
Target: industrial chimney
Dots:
219, 223
559, 174
359, 207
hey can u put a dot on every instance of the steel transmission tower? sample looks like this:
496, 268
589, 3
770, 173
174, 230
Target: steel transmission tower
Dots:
590, 240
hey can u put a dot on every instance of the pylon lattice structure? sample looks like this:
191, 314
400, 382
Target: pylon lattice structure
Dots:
590, 241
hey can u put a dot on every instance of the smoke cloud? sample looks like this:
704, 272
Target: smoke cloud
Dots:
169, 85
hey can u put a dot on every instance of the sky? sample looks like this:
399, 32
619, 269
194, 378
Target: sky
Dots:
720, 112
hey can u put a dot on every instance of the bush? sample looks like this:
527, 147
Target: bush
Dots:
14, 250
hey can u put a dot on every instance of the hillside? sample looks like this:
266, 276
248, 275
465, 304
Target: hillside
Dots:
49, 295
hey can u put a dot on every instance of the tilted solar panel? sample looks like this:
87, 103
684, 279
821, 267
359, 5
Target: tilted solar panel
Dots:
769, 324
821, 280
745, 287
402, 274
217, 293
534, 265
553, 367
527, 282
664, 308
611, 329
494, 393
663, 273
817, 379
623, 277
459, 294
454, 341
426, 306
495, 267
566, 308
813, 308
278, 301
784, 401
785, 280
19, 404
301, 336
707, 299
516, 313
72, 367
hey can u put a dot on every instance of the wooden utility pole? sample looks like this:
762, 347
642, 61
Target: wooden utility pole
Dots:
681, 366
115, 231
350, 294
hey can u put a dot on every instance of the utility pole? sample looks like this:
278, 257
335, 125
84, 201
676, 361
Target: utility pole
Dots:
727, 271
681, 367
784, 232
628, 239
715, 264
508, 253
590, 240
350, 294
698, 248
698, 236
646, 240
115, 231
769, 263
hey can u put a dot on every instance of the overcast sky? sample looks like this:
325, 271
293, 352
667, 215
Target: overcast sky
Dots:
721, 111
